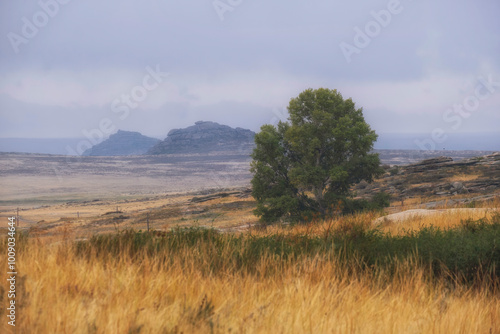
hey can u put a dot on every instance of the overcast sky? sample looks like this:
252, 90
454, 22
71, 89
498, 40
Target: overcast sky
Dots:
73, 67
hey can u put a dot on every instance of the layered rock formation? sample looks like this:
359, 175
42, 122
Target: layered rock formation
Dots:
439, 177
206, 137
123, 143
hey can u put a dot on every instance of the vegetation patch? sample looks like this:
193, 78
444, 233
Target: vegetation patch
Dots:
468, 253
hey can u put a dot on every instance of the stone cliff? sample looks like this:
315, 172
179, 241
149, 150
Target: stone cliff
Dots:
206, 137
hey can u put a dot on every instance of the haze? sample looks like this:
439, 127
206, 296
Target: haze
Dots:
70, 68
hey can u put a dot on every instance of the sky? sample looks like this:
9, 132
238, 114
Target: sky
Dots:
74, 68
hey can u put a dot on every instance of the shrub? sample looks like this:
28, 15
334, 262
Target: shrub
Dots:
468, 253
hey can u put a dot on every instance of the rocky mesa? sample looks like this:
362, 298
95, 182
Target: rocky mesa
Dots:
206, 137
123, 143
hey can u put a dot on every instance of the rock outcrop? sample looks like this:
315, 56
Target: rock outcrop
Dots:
123, 143
206, 137
439, 177
428, 164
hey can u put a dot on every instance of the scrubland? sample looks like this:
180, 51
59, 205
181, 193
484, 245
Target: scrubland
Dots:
340, 275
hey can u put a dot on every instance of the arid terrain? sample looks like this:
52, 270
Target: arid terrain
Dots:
102, 194
51, 191
87, 264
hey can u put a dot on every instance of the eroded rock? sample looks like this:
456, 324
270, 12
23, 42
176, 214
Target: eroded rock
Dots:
205, 137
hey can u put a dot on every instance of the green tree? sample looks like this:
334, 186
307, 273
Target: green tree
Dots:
306, 165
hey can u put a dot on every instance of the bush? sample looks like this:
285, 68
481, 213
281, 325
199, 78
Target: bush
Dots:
378, 202
468, 253
394, 170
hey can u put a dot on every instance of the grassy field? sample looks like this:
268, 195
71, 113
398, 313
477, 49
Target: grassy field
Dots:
335, 276
86, 264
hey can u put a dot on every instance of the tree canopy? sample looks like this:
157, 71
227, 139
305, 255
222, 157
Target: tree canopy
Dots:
306, 165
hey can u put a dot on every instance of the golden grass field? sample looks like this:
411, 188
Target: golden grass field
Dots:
61, 292
64, 294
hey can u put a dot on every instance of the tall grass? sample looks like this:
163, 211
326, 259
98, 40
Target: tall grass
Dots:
468, 252
342, 278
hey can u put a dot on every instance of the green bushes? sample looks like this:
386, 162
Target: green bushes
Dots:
379, 201
467, 254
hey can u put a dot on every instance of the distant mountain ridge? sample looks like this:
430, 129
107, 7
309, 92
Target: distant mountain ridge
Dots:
123, 143
205, 137
401, 147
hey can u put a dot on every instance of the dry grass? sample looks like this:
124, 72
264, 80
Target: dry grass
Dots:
445, 219
464, 177
62, 292
448, 217
165, 212
417, 185
319, 227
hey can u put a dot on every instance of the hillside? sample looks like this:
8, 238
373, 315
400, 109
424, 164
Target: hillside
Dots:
206, 137
440, 180
122, 143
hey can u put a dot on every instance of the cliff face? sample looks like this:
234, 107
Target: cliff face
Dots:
122, 143
205, 137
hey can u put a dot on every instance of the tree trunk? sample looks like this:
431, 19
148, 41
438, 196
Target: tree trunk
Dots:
318, 196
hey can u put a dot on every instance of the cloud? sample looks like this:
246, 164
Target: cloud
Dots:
427, 95
239, 70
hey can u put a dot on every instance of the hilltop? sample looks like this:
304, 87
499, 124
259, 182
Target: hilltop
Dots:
205, 137
122, 143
